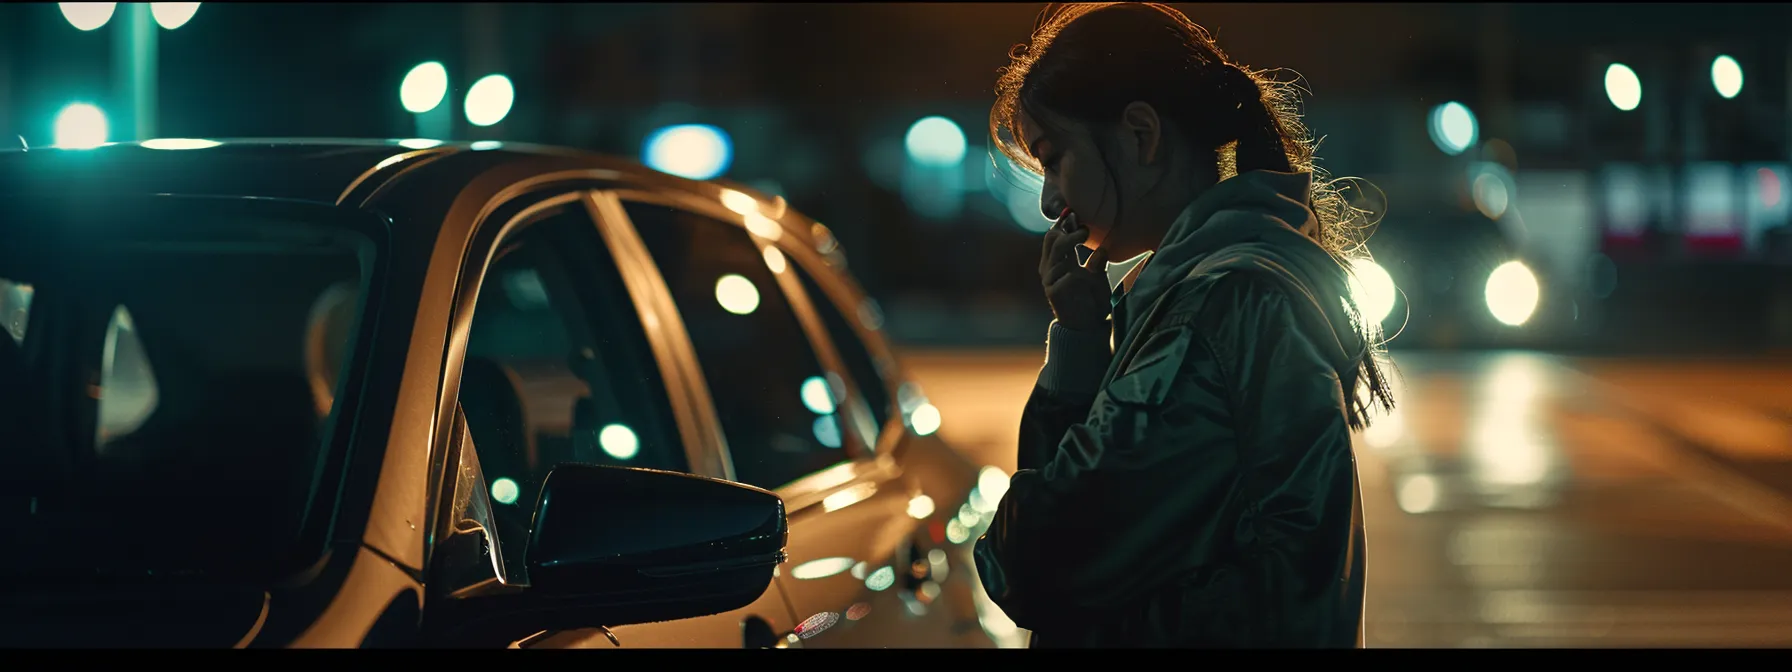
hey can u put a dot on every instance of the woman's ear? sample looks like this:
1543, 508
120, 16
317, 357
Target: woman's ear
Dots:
1144, 130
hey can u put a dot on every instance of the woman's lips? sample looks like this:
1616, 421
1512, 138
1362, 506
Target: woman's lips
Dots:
1065, 222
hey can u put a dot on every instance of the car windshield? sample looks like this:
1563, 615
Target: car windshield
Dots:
167, 378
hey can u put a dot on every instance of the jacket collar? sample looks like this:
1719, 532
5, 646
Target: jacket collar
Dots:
1242, 208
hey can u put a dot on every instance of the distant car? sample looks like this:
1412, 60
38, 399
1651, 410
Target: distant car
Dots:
1455, 280
370, 393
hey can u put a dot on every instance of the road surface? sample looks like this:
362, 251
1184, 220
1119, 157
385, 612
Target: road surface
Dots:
1528, 500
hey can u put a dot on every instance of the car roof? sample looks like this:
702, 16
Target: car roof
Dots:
322, 170
347, 171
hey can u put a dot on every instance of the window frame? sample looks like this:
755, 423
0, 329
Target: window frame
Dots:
883, 361
495, 228
858, 447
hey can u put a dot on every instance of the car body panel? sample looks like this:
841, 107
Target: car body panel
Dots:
373, 583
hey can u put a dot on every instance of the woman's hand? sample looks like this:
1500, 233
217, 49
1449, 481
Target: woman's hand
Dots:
1078, 293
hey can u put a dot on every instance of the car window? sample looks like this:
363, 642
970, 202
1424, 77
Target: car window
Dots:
858, 359
15, 308
558, 370
775, 400
191, 320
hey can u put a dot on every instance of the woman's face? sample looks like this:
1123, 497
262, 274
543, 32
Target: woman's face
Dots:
1076, 179
1126, 196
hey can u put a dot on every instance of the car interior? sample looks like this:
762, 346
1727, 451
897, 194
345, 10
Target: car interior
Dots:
196, 405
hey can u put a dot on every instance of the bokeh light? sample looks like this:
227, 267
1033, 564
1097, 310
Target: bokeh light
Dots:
87, 15
424, 87
1726, 76
81, 126
816, 396
935, 141
171, 15
737, 294
1372, 289
1512, 293
505, 491
489, 100
1623, 87
774, 260
1453, 127
619, 441
925, 419
1023, 208
694, 151
827, 431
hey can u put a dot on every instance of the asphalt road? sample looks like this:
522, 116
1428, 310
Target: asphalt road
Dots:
1527, 500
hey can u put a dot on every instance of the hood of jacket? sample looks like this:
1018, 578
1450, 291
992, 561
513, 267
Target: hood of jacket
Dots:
1264, 220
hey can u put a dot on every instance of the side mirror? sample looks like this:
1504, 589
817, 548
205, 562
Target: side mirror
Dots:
615, 546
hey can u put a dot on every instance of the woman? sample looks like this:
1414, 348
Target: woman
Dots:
1186, 470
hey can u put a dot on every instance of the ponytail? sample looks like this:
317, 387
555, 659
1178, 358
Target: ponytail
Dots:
1261, 143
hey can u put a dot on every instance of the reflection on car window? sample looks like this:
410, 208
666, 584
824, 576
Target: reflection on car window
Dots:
558, 370
15, 308
776, 402
327, 341
853, 352
127, 383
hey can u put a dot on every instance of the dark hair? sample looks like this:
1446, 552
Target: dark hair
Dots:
1087, 61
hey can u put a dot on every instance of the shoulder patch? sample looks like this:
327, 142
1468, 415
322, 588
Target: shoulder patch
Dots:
1148, 378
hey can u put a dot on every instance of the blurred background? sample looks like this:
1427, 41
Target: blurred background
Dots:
1584, 254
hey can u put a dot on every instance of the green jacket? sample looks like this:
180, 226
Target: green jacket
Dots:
1194, 485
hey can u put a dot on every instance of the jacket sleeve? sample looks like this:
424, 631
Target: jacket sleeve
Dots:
1074, 365
1199, 502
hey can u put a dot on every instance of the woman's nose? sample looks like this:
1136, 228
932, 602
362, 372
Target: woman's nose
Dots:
1050, 205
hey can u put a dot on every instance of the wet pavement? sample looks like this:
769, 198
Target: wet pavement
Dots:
1528, 500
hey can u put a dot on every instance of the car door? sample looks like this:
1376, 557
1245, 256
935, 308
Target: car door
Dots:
792, 422
934, 599
561, 364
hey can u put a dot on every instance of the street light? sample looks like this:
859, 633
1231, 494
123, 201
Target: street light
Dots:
489, 100
1623, 87
1726, 76
424, 87
81, 126
171, 15
85, 16
133, 51
424, 94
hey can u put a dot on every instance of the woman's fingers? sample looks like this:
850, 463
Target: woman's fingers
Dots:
1045, 250
1065, 246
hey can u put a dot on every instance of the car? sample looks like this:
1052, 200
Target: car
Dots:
1451, 278
366, 393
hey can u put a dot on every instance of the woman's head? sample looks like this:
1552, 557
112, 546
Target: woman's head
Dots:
1130, 110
